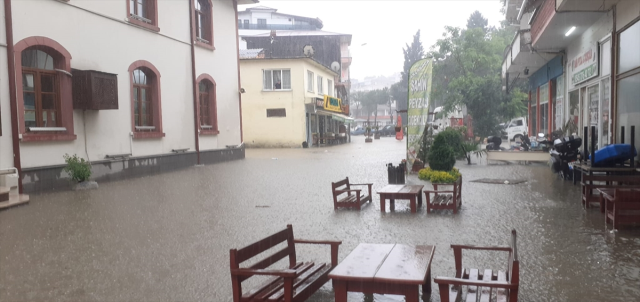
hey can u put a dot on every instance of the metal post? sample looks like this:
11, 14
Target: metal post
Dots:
633, 146
622, 135
593, 145
585, 150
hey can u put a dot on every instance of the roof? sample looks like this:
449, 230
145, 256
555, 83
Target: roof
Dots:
241, 2
261, 7
251, 53
262, 58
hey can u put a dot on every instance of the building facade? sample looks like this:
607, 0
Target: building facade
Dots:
262, 20
581, 60
284, 102
138, 88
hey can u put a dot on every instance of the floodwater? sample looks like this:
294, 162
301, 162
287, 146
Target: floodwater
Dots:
167, 237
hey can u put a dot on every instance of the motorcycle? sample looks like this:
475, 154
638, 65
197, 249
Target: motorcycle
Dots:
563, 154
493, 143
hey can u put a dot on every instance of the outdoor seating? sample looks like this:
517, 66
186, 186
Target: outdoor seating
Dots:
353, 198
295, 283
592, 182
482, 284
623, 207
449, 199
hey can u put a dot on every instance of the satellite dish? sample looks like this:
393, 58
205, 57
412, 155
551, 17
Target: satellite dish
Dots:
335, 66
308, 50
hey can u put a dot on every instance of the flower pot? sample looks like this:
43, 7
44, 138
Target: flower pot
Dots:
368, 140
417, 166
398, 129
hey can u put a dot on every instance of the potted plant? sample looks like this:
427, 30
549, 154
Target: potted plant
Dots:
80, 171
367, 133
376, 134
441, 162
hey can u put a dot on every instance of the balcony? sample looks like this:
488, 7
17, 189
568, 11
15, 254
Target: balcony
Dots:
512, 8
519, 56
277, 26
346, 62
549, 27
585, 5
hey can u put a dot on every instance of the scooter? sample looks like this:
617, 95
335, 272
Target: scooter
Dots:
493, 143
563, 154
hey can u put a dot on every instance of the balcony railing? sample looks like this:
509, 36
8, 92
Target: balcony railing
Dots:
277, 26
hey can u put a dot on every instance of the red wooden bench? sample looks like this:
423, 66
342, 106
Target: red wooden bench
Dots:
604, 182
445, 199
482, 284
297, 282
353, 199
623, 207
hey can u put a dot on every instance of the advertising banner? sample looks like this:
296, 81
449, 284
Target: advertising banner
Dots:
585, 66
418, 106
332, 104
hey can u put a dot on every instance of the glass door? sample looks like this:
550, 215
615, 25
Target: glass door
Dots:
594, 111
604, 132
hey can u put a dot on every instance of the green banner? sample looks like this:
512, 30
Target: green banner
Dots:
418, 105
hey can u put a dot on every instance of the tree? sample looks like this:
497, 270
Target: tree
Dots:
356, 98
412, 53
476, 20
468, 65
372, 99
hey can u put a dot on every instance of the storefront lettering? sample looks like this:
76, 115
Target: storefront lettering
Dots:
585, 66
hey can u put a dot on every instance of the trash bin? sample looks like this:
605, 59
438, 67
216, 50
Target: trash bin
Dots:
396, 174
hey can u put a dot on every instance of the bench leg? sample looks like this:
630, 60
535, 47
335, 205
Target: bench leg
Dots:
428, 202
412, 204
412, 295
382, 203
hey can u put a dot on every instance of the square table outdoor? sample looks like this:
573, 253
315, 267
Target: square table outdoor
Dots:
395, 269
393, 192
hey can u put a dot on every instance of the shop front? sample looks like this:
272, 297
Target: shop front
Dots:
327, 122
546, 92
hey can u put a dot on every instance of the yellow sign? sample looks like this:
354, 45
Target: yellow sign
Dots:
332, 104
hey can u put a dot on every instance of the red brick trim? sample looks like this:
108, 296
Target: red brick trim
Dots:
152, 6
154, 76
62, 59
213, 106
194, 37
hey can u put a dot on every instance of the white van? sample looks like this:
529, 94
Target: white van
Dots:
517, 128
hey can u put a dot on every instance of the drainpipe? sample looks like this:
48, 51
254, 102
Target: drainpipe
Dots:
196, 117
235, 7
11, 68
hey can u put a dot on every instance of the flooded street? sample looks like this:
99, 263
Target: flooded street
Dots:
167, 237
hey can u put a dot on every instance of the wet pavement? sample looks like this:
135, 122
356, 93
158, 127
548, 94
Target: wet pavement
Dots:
167, 237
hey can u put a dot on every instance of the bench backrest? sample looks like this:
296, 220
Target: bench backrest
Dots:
239, 256
338, 184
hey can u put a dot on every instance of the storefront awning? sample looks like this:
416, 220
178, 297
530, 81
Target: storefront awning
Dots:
342, 118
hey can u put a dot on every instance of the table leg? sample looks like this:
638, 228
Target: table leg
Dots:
392, 204
412, 295
426, 287
340, 289
420, 199
412, 203
382, 203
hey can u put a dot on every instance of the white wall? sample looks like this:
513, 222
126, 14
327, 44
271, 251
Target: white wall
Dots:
101, 43
6, 149
589, 38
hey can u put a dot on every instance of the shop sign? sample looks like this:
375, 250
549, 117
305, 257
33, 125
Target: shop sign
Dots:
332, 104
585, 66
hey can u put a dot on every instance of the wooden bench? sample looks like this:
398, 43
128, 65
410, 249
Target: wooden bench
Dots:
623, 207
353, 199
445, 199
602, 182
297, 282
482, 284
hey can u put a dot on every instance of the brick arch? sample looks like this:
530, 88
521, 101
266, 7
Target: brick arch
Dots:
213, 105
154, 76
62, 61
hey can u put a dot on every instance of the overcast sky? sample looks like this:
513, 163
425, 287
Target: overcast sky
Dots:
386, 26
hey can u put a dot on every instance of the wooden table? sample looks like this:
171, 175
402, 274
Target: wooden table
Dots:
586, 168
393, 192
607, 193
394, 269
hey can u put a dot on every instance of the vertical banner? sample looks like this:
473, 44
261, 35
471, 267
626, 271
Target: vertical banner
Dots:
418, 106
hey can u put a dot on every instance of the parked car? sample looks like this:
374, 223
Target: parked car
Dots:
358, 131
388, 130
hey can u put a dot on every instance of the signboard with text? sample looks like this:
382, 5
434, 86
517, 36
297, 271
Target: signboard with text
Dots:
332, 104
418, 106
585, 66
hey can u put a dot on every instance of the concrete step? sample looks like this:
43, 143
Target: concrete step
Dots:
14, 200
4, 193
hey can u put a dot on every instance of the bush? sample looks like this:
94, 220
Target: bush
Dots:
78, 168
439, 176
441, 155
453, 138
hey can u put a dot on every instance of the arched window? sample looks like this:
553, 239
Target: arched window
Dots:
146, 113
207, 104
40, 89
203, 23
142, 107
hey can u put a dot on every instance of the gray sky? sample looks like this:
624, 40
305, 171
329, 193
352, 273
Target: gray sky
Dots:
386, 26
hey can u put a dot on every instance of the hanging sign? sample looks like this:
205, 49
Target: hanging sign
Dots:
585, 66
418, 105
332, 104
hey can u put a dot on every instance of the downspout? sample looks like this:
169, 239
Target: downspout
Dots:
235, 8
196, 119
13, 102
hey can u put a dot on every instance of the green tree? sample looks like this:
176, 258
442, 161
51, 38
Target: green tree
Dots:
372, 99
467, 72
476, 20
